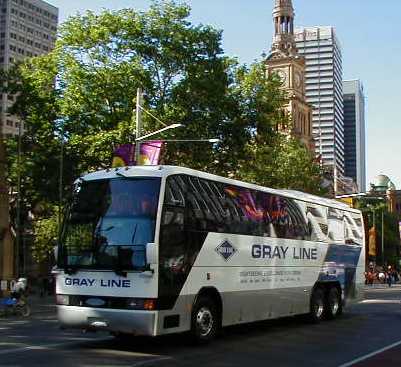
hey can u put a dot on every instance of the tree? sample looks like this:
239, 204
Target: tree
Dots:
82, 94
386, 223
46, 233
271, 156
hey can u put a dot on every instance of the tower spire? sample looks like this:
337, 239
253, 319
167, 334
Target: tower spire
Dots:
283, 20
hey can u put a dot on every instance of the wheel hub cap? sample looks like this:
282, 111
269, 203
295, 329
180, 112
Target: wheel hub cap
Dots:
204, 321
334, 304
319, 308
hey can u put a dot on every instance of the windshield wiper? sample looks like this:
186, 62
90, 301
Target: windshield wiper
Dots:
118, 269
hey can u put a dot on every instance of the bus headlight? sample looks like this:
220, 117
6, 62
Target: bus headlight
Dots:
62, 299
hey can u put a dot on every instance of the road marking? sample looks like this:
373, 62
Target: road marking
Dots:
144, 363
396, 301
367, 356
51, 346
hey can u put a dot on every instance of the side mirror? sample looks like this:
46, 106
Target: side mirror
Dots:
151, 254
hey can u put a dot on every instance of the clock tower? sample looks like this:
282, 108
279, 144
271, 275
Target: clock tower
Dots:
285, 62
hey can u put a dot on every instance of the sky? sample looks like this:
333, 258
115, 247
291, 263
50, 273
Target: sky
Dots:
371, 48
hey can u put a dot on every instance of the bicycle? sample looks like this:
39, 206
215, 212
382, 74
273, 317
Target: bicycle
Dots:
15, 306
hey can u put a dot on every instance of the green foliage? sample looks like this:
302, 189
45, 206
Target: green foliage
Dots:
83, 93
270, 157
372, 210
46, 232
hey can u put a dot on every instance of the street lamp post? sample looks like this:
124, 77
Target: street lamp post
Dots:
60, 184
383, 237
138, 120
18, 219
213, 141
144, 138
139, 137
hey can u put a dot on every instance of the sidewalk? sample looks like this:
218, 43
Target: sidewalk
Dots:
383, 286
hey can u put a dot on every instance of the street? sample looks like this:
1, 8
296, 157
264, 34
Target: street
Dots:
364, 329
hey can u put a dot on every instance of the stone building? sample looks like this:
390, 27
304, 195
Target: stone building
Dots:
285, 61
384, 187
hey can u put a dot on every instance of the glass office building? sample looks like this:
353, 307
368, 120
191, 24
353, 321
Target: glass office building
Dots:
354, 132
324, 91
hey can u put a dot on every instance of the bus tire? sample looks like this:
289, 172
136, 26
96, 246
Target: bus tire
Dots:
317, 306
204, 320
333, 307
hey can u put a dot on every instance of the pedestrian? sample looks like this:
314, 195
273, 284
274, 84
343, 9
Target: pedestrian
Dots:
44, 285
20, 288
396, 277
389, 277
50, 290
371, 278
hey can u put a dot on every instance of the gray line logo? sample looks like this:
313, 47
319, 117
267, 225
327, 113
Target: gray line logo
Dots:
226, 250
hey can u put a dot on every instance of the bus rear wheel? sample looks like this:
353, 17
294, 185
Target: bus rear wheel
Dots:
204, 323
317, 306
333, 307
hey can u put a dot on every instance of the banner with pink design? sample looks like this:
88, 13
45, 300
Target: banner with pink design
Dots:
124, 155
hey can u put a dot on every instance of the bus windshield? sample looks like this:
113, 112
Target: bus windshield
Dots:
109, 223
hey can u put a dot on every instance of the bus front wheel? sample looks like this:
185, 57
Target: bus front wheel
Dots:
204, 323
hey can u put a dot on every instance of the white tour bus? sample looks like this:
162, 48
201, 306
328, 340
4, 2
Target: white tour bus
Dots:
161, 249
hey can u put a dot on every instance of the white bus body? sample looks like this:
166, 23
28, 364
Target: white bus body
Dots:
251, 252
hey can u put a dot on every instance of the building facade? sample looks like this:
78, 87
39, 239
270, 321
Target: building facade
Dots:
27, 28
285, 61
324, 91
354, 132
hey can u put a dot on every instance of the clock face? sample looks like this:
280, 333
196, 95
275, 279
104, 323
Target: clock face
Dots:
298, 79
282, 75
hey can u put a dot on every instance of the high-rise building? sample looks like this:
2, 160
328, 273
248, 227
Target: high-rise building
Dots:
27, 28
285, 61
324, 91
354, 132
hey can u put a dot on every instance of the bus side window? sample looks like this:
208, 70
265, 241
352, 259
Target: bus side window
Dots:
197, 192
299, 227
174, 194
231, 210
214, 205
336, 225
172, 236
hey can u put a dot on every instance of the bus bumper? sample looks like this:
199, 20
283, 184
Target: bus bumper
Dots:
118, 321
